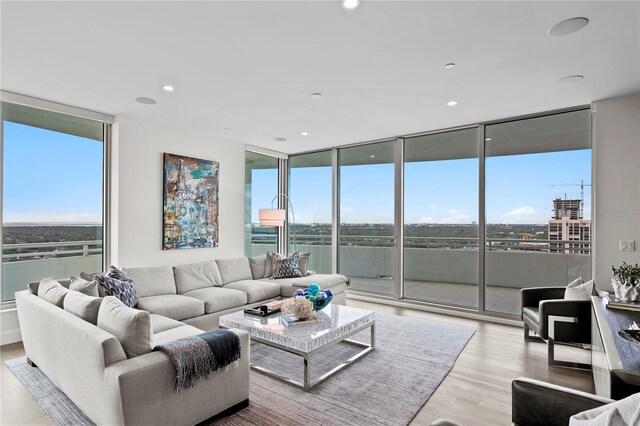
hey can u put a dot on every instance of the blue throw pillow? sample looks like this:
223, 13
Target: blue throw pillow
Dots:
117, 283
288, 267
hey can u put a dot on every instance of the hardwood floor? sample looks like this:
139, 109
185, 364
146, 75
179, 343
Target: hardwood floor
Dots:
477, 391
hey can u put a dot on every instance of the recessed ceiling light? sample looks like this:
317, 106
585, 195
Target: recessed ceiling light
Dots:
452, 103
227, 128
487, 139
316, 95
146, 101
568, 26
350, 4
572, 79
372, 156
280, 139
450, 65
168, 88
304, 134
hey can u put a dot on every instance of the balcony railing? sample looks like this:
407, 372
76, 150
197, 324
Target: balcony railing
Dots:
466, 243
51, 250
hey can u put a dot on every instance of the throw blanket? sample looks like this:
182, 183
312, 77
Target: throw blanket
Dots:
195, 356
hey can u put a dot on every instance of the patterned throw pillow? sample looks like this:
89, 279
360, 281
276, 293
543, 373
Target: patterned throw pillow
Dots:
268, 266
117, 283
288, 267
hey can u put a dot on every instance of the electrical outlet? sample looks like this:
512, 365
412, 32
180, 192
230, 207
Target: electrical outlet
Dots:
627, 245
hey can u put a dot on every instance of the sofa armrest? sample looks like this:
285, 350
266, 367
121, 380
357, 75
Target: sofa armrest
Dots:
145, 385
532, 296
579, 332
536, 403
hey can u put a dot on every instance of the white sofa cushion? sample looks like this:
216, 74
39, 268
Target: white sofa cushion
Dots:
130, 326
218, 299
152, 280
83, 306
174, 334
174, 306
258, 265
193, 276
52, 291
90, 288
234, 269
160, 323
256, 290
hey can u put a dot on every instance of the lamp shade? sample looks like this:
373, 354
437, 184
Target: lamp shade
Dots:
272, 217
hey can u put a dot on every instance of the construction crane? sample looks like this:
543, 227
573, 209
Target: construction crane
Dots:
581, 185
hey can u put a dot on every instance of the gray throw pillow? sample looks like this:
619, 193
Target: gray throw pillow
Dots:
258, 265
268, 267
131, 327
90, 288
304, 263
52, 291
287, 267
83, 306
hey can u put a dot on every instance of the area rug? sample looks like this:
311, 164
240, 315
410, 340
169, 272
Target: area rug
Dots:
386, 387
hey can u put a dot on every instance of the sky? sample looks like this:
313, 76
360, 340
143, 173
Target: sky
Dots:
50, 177
56, 177
518, 190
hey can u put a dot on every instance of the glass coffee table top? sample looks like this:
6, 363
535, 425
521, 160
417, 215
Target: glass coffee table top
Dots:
331, 324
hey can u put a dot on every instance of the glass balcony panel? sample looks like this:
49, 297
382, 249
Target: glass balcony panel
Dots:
261, 185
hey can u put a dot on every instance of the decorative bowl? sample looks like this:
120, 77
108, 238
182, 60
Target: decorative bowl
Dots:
320, 298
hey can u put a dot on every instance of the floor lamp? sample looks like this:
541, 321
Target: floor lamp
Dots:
278, 217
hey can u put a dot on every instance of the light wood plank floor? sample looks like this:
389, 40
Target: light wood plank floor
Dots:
477, 391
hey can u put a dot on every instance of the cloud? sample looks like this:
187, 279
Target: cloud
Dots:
428, 219
524, 214
457, 218
454, 211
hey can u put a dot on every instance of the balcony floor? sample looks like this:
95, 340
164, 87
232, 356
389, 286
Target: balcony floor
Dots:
499, 299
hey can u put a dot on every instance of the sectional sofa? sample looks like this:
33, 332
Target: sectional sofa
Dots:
89, 360
199, 293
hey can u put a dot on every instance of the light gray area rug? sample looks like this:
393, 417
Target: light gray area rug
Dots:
386, 387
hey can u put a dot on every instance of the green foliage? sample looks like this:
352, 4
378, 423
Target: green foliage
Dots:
627, 274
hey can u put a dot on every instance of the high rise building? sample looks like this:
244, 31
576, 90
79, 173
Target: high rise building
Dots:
567, 226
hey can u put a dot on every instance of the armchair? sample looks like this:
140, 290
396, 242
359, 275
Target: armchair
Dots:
556, 320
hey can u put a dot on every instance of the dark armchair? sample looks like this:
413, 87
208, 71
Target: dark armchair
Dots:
556, 320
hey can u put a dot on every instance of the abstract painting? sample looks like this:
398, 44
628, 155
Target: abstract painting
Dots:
190, 202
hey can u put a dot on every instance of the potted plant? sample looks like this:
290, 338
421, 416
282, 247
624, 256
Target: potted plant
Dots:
626, 282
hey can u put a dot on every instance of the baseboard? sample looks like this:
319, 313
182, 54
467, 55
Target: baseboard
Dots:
10, 336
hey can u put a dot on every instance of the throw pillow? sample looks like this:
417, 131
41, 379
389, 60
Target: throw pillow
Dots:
117, 283
623, 412
130, 326
288, 267
258, 265
268, 266
83, 306
90, 288
52, 291
304, 263
578, 290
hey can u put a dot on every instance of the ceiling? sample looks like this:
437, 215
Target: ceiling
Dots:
244, 71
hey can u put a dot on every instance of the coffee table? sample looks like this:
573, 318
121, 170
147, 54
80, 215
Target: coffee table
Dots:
334, 324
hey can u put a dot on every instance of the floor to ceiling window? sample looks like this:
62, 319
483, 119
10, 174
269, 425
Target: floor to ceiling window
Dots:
260, 187
367, 232
52, 196
310, 185
538, 205
441, 218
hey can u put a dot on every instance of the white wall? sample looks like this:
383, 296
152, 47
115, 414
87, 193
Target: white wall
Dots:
616, 153
138, 191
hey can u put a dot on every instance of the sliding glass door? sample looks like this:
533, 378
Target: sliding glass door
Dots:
441, 218
261, 185
310, 192
538, 205
367, 232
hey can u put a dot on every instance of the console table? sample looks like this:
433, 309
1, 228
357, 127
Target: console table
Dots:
615, 361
